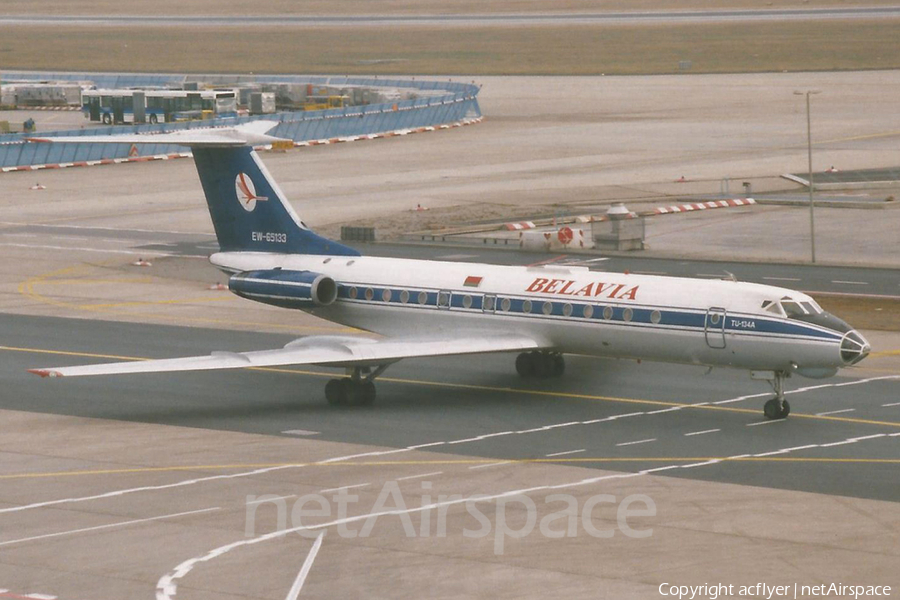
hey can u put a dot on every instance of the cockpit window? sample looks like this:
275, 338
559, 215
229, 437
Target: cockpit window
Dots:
792, 308
772, 307
811, 308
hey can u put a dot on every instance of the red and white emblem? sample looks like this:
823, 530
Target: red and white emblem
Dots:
246, 192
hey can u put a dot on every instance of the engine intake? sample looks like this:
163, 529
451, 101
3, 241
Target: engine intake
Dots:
287, 289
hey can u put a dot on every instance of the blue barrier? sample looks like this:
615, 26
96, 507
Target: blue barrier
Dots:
447, 102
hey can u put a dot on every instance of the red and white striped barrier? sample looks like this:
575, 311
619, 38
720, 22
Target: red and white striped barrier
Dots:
680, 208
116, 161
91, 163
519, 226
73, 108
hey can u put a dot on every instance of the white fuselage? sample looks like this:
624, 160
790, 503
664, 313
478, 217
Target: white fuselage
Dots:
571, 310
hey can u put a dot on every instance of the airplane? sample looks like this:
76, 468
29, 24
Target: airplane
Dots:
425, 308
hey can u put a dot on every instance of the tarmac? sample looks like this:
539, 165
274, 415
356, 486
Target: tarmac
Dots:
125, 487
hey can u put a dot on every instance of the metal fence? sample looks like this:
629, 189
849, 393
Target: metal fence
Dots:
444, 102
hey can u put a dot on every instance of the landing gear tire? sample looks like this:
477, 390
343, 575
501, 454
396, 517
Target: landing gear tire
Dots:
540, 364
346, 392
774, 409
335, 392
525, 365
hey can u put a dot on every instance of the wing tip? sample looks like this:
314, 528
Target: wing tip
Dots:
45, 372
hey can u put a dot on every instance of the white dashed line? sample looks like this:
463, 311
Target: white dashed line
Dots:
892, 404
300, 432
766, 422
496, 464
110, 526
835, 412
434, 474
705, 431
850, 282
270, 499
782, 278
344, 487
637, 442
566, 452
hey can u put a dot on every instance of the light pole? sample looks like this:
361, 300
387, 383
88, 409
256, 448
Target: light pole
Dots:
812, 205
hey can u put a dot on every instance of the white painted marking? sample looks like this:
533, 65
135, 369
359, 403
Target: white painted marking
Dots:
835, 412
626, 415
705, 431
700, 464
895, 434
110, 526
892, 404
850, 282
300, 432
481, 437
637, 442
345, 487
782, 278
40, 596
766, 422
665, 410
433, 474
432, 444
496, 464
660, 469
740, 398
868, 437
261, 500
304, 570
566, 452
841, 443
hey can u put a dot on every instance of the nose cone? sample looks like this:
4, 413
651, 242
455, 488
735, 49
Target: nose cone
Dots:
854, 348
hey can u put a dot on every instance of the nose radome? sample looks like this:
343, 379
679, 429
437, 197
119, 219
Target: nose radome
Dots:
854, 348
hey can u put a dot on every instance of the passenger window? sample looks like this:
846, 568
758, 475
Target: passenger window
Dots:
526, 306
588, 311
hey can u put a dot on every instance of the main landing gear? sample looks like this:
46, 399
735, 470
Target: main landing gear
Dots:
356, 390
777, 407
540, 364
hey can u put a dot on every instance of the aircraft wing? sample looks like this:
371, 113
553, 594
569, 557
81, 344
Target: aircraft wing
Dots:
335, 351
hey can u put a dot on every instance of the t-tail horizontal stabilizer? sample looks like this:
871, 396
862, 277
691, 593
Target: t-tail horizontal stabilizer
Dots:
249, 211
252, 133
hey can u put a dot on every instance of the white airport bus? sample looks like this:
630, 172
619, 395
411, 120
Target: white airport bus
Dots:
160, 106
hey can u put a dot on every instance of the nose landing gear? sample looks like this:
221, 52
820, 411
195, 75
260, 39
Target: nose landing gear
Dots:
777, 407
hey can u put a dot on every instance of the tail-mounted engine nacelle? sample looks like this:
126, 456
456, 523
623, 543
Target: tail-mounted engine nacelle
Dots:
287, 289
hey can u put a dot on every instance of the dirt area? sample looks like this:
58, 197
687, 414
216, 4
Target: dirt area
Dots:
460, 49
400, 7
881, 314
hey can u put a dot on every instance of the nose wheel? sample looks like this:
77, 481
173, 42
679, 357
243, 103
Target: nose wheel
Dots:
777, 407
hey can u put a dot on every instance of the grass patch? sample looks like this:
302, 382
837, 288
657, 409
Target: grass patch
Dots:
462, 50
